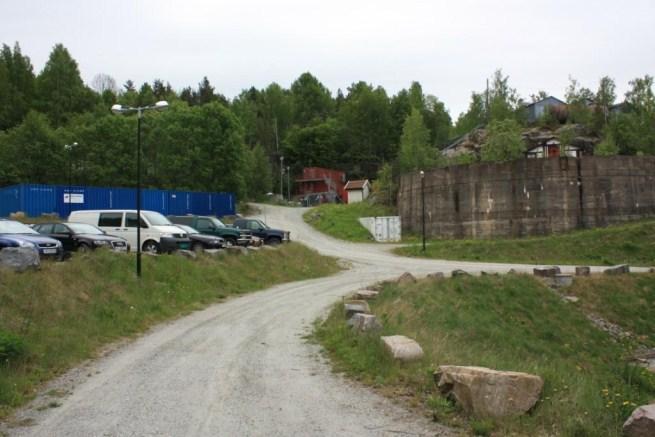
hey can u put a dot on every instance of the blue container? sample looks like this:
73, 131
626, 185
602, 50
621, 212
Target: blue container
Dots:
35, 200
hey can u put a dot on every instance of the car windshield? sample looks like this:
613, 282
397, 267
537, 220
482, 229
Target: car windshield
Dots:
188, 229
12, 227
81, 228
262, 225
156, 219
217, 222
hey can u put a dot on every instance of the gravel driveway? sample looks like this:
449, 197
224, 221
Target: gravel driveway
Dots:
241, 368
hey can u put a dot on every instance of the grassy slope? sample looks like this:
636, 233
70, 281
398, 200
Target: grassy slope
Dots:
632, 243
340, 221
67, 311
510, 323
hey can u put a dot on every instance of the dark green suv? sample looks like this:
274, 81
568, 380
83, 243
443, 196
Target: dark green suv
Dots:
213, 226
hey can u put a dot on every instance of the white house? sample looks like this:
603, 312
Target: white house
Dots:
358, 190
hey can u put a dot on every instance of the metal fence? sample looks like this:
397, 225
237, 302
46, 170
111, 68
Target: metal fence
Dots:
35, 200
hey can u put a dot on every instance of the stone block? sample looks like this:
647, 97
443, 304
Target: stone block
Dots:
546, 272
364, 322
582, 271
617, 270
366, 294
20, 258
356, 306
402, 348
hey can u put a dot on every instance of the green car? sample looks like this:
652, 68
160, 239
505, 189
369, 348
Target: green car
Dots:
213, 226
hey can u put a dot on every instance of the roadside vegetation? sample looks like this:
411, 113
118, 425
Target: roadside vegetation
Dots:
54, 318
341, 220
632, 243
516, 323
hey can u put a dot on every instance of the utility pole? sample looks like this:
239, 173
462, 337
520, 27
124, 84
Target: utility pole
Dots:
288, 183
282, 177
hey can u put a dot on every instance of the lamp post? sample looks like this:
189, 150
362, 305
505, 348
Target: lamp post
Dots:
69, 148
119, 109
282, 176
288, 184
423, 206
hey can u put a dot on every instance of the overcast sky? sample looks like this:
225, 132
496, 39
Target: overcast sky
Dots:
450, 47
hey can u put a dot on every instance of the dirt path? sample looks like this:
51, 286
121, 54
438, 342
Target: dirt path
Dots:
241, 367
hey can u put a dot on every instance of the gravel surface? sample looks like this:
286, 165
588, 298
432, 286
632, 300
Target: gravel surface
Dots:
243, 367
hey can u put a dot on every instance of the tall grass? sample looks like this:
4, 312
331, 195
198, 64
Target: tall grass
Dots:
632, 243
66, 311
507, 323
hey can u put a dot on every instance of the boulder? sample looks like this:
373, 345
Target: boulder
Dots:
546, 272
641, 422
486, 392
617, 270
651, 270
402, 348
364, 322
560, 280
406, 279
186, 254
582, 271
20, 258
355, 306
459, 272
366, 294
237, 250
435, 276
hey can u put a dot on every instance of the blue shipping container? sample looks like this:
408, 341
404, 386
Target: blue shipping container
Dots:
35, 200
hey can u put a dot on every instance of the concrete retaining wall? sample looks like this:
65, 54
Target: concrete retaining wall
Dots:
529, 196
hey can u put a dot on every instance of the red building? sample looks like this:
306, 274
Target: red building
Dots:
317, 180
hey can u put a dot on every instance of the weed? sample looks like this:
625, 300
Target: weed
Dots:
12, 347
482, 427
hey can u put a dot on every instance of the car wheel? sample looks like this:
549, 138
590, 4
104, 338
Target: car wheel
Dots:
150, 246
83, 248
197, 247
274, 241
230, 241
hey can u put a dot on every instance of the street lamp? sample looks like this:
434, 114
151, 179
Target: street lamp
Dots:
282, 176
119, 109
69, 148
288, 184
423, 205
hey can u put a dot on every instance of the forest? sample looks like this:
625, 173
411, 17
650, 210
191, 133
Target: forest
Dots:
208, 142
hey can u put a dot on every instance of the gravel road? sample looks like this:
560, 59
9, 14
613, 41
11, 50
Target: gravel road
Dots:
241, 368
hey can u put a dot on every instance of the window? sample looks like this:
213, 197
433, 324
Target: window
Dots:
43, 229
130, 221
205, 225
60, 229
253, 225
111, 219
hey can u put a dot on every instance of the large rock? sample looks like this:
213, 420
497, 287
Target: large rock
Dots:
406, 279
459, 272
20, 258
356, 306
546, 272
618, 270
560, 280
402, 348
364, 322
582, 271
486, 392
366, 294
641, 422
435, 276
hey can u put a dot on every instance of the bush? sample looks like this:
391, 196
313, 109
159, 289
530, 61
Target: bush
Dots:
12, 347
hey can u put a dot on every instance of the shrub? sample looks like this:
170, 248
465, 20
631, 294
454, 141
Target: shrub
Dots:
12, 347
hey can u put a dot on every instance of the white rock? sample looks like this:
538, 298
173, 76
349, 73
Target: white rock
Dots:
402, 348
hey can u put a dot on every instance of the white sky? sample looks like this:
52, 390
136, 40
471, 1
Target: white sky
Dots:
451, 47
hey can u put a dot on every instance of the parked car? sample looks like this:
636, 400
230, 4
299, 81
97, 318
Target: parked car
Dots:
213, 226
23, 236
263, 231
158, 234
202, 241
81, 237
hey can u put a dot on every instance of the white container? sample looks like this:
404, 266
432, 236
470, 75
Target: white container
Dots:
383, 229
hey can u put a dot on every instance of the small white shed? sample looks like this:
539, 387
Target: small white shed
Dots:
358, 190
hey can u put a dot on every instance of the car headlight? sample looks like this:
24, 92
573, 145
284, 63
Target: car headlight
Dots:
167, 235
100, 242
22, 243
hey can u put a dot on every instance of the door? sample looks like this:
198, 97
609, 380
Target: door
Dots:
63, 234
256, 229
205, 226
130, 226
112, 224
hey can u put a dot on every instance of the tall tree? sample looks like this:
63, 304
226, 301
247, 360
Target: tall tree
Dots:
205, 92
17, 87
579, 99
311, 100
60, 89
504, 141
474, 117
102, 82
605, 97
415, 151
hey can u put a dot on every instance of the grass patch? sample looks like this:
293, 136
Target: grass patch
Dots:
632, 243
510, 322
66, 312
340, 220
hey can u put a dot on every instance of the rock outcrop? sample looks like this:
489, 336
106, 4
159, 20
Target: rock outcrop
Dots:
486, 392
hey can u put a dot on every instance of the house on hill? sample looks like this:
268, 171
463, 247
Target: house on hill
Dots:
358, 190
321, 185
537, 109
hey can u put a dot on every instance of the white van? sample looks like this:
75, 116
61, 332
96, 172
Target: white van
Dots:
158, 234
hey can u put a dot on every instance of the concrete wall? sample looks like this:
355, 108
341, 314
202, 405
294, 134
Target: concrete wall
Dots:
529, 196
